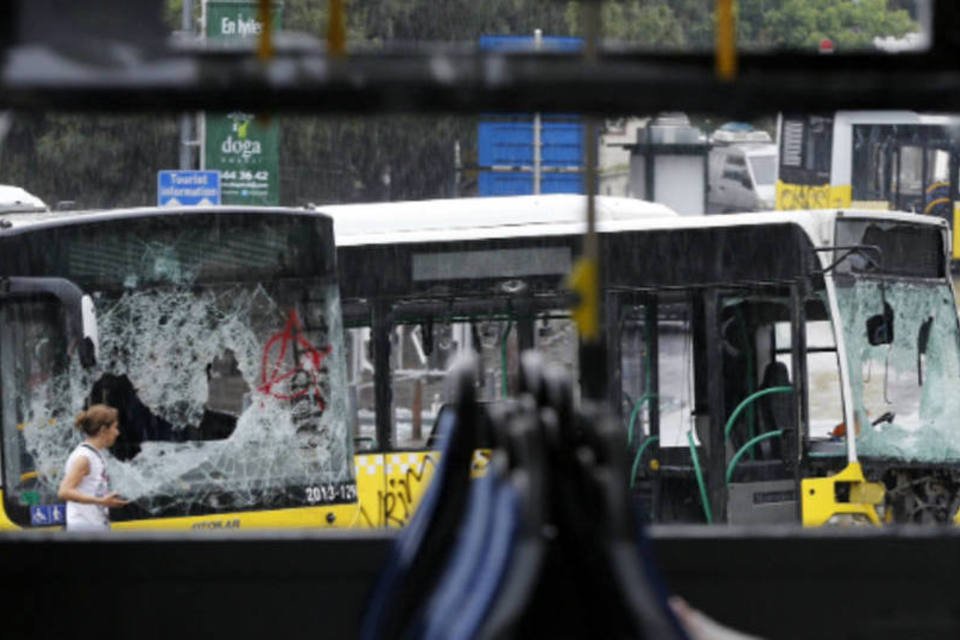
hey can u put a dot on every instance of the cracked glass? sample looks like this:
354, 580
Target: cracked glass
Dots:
220, 343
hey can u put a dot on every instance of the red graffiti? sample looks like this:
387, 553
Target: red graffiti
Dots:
283, 381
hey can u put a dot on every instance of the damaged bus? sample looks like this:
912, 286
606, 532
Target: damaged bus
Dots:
769, 367
422, 282
215, 332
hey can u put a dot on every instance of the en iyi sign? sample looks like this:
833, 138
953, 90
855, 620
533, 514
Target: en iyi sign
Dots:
244, 148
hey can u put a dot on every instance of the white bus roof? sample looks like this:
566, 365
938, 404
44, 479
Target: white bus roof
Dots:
379, 222
818, 224
41, 219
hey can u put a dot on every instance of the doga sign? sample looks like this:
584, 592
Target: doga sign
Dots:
244, 149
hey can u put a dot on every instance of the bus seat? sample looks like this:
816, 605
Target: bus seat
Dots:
776, 409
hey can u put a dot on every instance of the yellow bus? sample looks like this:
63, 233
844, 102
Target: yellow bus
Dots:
887, 160
216, 333
739, 348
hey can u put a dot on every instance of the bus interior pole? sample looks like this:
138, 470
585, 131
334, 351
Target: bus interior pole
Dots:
592, 356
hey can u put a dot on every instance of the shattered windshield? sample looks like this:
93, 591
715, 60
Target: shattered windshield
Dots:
226, 374
905, 391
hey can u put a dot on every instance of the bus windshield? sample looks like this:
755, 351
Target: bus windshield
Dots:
902, 345
220, 343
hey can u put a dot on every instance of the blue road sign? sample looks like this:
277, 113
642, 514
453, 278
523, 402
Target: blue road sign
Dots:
190, 188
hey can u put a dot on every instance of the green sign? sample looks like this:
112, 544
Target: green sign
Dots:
243, 148
232, 19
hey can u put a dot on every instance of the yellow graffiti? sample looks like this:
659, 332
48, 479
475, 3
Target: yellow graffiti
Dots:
808, 196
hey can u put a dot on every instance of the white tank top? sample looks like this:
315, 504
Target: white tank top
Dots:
81, 516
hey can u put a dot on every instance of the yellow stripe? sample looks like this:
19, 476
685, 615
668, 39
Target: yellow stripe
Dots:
956, 230
336, 29
265, 15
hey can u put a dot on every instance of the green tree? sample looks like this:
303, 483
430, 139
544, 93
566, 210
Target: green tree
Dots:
850, 24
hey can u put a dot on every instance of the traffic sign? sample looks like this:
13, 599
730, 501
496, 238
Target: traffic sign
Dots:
45, 515
188, 188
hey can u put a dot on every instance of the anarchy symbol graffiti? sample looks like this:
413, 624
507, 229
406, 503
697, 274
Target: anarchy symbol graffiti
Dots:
291, 365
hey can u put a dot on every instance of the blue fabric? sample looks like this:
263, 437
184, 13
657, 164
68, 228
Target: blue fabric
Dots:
497, 558
407, 545
465, 562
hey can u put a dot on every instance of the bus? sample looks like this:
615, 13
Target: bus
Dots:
767, 367
415, 295
888, 160
216, 333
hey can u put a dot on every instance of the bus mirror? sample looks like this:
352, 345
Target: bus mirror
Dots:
880, 326
81, 323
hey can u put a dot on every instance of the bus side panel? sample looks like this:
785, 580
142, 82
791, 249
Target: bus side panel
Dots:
371, 486
391, 485
807, 196
407, 475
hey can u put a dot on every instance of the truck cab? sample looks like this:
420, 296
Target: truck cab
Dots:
742, 171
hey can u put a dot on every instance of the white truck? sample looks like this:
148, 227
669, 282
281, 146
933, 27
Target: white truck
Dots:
742, 169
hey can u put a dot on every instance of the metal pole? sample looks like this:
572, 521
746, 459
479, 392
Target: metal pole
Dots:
457, 166
591, 44
186, 119
202, 115
537, 46
592, 354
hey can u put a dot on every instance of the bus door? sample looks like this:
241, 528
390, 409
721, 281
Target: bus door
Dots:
652, 355
46, 326
924, 177
399, 355
759, 342
633, 375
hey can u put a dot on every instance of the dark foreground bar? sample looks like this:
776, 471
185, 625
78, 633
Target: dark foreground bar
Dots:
779, 583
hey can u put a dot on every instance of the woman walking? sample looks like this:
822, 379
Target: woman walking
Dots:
85, 486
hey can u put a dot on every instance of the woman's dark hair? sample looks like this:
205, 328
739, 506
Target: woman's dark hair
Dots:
95, 418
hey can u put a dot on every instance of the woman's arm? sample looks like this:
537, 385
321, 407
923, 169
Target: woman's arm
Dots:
68, 486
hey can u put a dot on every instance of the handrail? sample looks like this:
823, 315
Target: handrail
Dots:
746, 447
638, 456
633, 415
704, 501
746, 401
